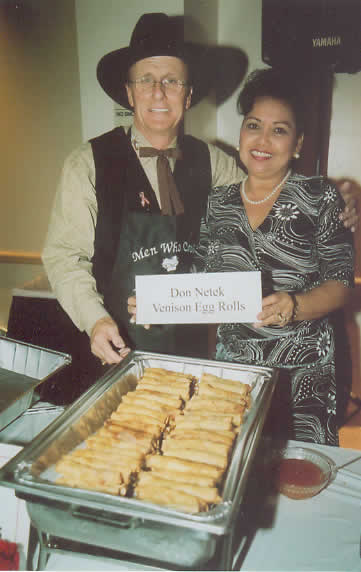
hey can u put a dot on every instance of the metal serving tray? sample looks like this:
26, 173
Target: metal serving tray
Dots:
120, 523
22, 368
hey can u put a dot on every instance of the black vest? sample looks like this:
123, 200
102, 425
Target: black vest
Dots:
119, 180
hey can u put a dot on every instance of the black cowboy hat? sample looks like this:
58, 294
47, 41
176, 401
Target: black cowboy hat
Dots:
155, 34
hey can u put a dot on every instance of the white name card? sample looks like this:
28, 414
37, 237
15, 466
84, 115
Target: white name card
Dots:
198, 298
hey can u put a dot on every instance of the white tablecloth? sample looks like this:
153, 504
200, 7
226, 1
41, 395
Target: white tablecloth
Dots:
278, 534
317, 534
320, 533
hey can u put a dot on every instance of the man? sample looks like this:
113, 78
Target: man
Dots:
112, 218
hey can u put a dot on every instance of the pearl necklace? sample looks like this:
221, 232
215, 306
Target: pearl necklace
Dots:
268, 196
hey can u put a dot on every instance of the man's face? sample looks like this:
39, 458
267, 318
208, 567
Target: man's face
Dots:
158, 111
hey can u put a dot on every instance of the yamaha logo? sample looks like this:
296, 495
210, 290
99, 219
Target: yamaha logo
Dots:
326, 41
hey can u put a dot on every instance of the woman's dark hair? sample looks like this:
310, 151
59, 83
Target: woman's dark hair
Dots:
277, 84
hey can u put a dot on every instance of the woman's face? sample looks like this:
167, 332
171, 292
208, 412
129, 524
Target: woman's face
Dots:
268, 138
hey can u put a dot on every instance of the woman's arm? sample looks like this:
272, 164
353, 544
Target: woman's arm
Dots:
280, 308
334, 251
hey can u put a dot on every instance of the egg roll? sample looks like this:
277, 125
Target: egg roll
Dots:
160, 372
207, 494
116, 432
162, 462
100, 464
209, 423
170, 445
82, 483
184, 477
134, 399
72, 469
171, 498
126, 435
111, 454
210, 392
173, 380
164, 398
226, 437
211, 405
173, 388
135, 410
138, 420
227, 384
199, 456
136, 424
236, 418
109, 458
98, 441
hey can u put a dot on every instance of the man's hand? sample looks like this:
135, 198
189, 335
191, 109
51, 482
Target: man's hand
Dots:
105, 333
351, 193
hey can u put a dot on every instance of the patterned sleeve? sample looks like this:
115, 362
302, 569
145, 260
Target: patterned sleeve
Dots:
334, 241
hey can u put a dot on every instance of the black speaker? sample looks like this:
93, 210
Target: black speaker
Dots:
312, 33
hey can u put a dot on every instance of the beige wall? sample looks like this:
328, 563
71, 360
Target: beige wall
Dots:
201, 25
345, 136
40, 123
39, 99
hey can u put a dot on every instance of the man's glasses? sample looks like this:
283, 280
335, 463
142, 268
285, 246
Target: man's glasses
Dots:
147, 84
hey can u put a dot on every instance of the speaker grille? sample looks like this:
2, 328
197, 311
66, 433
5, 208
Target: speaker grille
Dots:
312, 33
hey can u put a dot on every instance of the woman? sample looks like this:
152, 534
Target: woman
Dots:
286, 226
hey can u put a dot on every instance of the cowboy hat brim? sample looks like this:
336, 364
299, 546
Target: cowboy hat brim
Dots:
112, 69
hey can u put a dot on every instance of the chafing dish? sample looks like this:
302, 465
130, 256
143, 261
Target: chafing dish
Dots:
125, 524
23, 367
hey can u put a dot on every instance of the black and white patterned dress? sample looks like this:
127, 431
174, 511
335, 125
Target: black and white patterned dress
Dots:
300, 244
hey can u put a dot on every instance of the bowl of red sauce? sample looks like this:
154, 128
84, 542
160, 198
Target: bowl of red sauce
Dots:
301, 473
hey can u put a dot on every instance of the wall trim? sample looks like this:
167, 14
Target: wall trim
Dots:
23, 257
20, 257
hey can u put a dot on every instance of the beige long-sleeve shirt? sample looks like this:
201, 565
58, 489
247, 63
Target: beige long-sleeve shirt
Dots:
69, 245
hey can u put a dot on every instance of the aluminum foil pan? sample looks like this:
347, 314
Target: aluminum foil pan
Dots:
22, 368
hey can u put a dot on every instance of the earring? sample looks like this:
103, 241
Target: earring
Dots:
296, 155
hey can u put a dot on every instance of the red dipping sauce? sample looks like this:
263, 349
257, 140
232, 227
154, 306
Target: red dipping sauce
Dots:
298, 478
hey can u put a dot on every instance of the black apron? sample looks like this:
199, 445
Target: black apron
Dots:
148, 245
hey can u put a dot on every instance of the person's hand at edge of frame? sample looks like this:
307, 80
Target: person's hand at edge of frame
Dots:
104, 338
351, 194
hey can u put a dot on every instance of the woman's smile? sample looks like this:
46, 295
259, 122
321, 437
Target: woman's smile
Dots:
260, 155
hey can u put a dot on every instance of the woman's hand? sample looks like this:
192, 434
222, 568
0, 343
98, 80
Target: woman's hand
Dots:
132, 310
277, 309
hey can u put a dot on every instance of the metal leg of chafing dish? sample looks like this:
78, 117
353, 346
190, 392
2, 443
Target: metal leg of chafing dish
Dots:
44, 551
33, 544
226, 552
